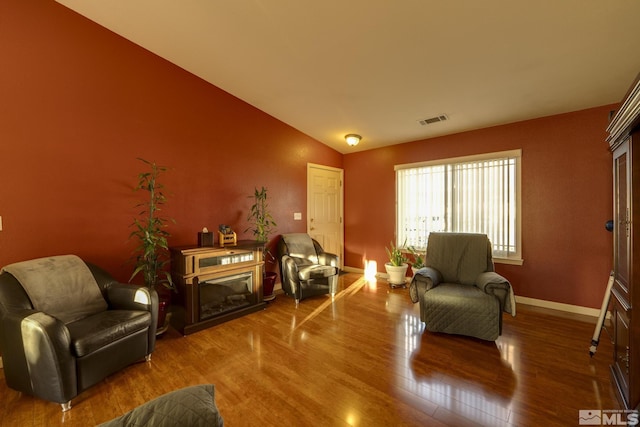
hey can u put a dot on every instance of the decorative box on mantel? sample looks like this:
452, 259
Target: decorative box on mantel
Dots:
216, 284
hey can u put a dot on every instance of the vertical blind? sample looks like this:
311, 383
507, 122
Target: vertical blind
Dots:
473, 195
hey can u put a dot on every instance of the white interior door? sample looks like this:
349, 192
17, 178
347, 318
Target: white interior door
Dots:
325, 208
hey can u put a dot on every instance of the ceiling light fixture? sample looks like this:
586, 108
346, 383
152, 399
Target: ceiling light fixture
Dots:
352, 139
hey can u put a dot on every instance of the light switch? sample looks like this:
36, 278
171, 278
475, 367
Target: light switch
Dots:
297, 216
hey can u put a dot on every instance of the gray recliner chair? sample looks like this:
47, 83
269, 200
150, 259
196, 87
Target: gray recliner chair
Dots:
65, 325
305, 268
458, 290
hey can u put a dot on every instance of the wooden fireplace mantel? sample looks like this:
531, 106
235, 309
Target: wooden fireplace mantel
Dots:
192, 265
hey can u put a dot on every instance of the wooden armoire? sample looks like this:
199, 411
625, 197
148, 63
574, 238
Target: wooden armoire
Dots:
624, 142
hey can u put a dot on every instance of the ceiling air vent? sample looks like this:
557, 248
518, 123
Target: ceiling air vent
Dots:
431, 120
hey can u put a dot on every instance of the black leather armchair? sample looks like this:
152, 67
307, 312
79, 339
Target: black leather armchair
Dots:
305, 268
86, 327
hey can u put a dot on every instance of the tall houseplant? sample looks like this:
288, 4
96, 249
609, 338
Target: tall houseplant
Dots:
151, 256
259, 217
262, 224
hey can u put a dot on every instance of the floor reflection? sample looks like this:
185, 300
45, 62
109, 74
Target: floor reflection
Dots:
364, 359
451, 381
329, 303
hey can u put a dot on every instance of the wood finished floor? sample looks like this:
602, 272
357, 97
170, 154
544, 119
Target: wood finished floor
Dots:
363, 360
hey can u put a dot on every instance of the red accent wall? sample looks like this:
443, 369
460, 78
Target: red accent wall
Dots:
566, 200
79, 104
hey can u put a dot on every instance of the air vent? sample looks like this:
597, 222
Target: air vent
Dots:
431, 120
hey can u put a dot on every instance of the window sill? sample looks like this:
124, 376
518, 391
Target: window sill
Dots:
510, 261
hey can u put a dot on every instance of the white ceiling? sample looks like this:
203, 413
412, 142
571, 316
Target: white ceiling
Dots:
376, 67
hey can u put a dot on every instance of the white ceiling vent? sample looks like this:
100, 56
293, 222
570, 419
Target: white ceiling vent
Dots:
431, 120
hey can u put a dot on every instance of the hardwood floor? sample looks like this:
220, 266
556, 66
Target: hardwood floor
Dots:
363, 360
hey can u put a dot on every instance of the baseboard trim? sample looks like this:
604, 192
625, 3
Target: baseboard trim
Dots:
569, 308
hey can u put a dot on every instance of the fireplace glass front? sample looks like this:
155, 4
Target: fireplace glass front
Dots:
224, 294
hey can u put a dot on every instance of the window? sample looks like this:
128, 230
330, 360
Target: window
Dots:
475, 194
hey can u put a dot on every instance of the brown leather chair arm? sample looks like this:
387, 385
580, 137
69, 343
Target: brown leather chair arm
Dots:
326, 258
121, 296
36, 355
290, 273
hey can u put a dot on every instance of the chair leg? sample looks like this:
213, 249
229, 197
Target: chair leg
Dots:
66, 406
147, 358
333, 296
297, 302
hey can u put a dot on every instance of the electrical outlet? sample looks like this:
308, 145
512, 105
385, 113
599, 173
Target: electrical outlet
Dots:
297, 216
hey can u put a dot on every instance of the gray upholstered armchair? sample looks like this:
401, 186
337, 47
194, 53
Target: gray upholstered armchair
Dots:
305, 268
65, 325
458, 290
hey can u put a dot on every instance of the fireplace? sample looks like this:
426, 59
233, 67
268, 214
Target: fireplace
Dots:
227, 293
216, 284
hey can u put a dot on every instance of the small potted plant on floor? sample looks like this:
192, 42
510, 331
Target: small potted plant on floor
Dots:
397, 266
262, 224
418, 261
151, 256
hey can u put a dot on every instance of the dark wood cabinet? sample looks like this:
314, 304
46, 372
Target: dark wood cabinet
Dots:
624, 141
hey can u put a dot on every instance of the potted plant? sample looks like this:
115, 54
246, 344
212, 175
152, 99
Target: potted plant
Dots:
151, 256
418, 262
262, 224
259, 216
397, 266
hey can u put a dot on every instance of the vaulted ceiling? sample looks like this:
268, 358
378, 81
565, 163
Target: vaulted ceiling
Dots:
379, 67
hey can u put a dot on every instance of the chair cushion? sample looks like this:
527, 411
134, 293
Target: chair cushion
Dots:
455, 308
97, 331
315, 271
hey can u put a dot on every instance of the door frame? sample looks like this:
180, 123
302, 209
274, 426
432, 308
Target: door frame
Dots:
332, 169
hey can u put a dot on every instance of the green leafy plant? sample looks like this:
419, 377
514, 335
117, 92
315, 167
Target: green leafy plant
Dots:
259, 216
151, 256
418, 260
396, 256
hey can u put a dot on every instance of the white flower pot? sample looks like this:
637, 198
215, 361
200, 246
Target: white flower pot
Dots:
397, 274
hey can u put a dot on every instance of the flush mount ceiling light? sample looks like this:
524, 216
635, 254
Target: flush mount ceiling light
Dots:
352, 139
